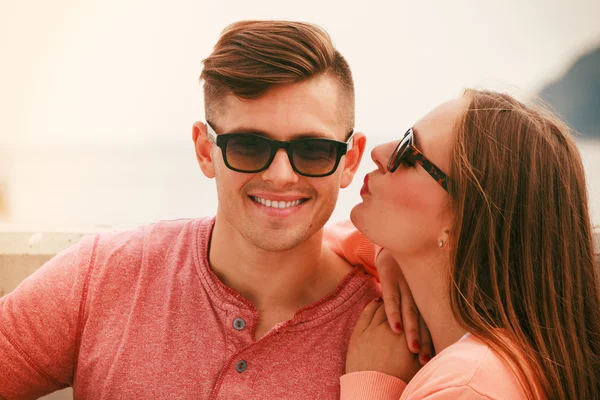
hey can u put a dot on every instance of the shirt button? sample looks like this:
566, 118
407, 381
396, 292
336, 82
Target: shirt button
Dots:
241, 366
239, 324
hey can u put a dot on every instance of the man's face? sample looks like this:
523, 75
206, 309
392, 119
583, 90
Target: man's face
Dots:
304, 204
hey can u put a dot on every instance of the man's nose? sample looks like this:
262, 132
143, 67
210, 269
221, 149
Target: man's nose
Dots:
280, 172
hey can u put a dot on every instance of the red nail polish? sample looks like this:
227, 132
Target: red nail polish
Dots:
379, 300
399, 326
416, 345
426, 358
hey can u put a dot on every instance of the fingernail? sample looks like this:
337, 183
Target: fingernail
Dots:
426, 358
398, 326
379, 300
416, 345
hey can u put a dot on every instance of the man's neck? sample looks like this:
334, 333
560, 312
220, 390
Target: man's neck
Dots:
276, 283
429, 288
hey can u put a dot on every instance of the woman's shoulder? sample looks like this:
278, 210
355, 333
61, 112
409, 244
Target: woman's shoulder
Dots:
471, 365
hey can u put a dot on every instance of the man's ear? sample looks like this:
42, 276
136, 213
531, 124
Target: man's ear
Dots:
352, 158
203, 148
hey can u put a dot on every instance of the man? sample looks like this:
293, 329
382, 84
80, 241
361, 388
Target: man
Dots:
249, 304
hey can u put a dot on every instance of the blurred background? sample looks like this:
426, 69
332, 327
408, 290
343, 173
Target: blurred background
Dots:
97, 98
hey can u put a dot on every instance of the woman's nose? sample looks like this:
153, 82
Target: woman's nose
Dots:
381, 155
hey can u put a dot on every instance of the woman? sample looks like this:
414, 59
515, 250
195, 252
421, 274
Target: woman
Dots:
497, 250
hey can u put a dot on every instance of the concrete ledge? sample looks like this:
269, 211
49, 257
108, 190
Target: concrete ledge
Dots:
22, 252
39, 243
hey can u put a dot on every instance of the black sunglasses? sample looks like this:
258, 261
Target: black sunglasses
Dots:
251, 153
407, 153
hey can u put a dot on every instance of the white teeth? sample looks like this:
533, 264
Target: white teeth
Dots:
276, 204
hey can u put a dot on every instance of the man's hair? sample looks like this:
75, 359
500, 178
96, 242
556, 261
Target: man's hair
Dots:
253, 56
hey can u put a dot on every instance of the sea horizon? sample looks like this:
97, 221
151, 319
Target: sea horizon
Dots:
92, 187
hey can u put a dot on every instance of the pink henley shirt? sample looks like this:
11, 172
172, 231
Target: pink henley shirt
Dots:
140, 315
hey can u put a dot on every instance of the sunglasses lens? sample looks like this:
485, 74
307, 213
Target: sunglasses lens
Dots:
400, 152
252, 153
247, 152
314, 157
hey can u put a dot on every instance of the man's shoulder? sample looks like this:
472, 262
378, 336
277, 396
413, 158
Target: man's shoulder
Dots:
157, 234
152, 245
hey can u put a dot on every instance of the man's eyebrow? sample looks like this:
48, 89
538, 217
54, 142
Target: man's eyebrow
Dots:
292, 136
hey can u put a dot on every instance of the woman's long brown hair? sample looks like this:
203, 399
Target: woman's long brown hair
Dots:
524, 278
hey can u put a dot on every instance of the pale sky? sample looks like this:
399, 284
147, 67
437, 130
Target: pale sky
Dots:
97, 97
125, 71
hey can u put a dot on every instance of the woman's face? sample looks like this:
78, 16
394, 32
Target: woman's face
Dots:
407, 211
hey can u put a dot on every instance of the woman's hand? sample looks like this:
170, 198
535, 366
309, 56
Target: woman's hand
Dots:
374, 347
401, 309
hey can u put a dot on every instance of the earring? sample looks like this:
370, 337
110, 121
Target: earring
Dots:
441, 244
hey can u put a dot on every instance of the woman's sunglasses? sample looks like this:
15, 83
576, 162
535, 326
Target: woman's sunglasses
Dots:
251, 153
407, 153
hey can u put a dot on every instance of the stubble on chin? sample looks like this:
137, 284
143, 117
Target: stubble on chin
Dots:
275, 240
